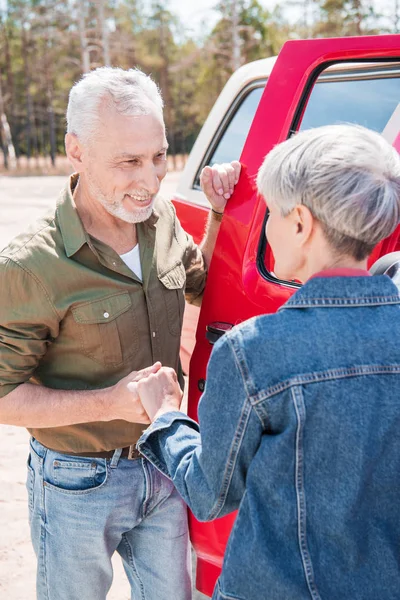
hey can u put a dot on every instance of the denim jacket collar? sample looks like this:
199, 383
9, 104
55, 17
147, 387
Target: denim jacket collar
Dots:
334, 292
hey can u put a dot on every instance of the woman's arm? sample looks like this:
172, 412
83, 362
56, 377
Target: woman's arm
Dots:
208, 467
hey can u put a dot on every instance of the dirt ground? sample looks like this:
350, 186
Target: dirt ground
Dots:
22, 200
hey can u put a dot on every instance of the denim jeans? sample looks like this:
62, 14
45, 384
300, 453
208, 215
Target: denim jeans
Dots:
82, 510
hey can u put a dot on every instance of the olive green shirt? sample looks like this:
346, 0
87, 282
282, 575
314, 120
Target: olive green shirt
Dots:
73, 316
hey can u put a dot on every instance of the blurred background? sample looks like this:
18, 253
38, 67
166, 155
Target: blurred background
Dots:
189, 47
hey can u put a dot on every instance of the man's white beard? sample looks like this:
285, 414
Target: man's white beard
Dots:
116, 208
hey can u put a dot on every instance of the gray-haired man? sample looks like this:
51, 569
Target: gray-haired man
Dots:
91, 295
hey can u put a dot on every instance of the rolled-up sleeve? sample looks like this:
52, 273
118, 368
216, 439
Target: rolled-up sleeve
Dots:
195, 266
28, 323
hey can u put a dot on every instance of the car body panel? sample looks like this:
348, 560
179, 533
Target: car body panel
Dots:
237, 287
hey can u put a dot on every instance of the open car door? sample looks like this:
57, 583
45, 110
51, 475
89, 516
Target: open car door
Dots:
313, 82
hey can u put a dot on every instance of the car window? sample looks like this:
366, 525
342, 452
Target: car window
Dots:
229, 141
363, 98
369, 102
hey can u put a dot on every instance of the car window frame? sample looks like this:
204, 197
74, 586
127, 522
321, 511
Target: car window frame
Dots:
294, 128
224, 124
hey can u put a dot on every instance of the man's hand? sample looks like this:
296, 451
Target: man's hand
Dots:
160, 392
125, 401
218, 181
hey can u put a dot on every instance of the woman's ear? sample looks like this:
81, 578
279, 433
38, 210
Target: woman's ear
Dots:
304, 222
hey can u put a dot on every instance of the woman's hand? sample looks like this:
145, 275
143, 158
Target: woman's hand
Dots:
124, 402
160, 392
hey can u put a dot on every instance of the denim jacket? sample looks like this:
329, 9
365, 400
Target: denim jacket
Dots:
300, 430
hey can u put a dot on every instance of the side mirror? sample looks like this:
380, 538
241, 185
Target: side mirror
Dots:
388, 265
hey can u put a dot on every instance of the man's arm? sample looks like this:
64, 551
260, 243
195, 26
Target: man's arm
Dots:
217, 183
37, 407
28, 324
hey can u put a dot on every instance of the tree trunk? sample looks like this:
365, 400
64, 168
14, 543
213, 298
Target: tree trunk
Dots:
85, 57
236, 54
104, 33
5, 137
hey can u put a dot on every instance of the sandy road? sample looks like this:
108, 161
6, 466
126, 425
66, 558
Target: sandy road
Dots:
22, 200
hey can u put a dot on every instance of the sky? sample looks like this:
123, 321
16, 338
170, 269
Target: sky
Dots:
194, 12
198, 15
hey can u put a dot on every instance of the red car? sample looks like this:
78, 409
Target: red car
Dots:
311, 83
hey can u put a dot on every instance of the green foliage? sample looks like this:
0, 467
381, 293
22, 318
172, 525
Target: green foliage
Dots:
43, 42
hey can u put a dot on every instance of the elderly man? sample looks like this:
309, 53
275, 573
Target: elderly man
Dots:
90, 295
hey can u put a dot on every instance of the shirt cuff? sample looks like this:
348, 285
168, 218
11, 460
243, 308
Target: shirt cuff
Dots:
150, 443
6, 388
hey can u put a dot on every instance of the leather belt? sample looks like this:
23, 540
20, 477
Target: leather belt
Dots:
130, 452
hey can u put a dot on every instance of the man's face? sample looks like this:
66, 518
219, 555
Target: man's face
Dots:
125, 162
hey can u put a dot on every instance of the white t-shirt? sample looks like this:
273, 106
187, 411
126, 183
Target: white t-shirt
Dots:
132, 260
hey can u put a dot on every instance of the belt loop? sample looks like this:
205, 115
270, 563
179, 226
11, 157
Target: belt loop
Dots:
115, 458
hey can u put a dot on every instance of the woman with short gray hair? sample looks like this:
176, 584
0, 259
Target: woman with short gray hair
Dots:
300, 416
347, 176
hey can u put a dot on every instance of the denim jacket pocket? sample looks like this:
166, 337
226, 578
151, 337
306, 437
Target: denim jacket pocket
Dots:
224, 595
74, 474
107, 328
173, 286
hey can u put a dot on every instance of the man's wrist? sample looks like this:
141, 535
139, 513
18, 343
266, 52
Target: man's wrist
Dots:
107, 403
216, 215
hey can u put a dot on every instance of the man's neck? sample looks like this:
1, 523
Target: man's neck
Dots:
100, 224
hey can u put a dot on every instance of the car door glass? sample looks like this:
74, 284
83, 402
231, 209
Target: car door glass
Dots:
362, 95
369, 102
229, 141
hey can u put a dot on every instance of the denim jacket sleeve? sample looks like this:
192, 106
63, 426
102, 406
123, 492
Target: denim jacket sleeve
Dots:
209, 467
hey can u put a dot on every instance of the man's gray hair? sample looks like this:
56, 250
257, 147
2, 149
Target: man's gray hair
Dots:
131, 92
349, 178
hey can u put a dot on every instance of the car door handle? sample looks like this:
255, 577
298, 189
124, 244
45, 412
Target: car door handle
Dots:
217, 329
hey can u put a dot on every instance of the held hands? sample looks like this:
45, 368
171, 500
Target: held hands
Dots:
160, 392
125, 402
218, 182
143, 395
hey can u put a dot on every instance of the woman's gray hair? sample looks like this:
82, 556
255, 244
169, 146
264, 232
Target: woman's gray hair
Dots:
131, 92
349, 178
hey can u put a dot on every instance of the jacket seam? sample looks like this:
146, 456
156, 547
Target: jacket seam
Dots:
240, 359
241, 363
38, 282
342, 302
299, 406
231, 460
331, 374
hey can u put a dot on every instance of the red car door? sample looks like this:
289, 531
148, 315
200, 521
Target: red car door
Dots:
241, 283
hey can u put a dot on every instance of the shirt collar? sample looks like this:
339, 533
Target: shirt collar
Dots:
73, 233
72, 230
339, 291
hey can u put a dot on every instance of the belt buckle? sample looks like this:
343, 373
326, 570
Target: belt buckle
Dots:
133, 453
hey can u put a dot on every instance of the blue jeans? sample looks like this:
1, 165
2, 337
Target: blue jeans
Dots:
82, 510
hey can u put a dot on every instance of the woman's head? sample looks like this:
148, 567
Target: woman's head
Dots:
333, 194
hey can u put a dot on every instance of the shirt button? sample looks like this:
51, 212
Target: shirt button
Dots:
114, 263
154, 334
106, 315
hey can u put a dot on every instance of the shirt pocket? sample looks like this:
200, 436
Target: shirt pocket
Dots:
108, 328
173, 289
